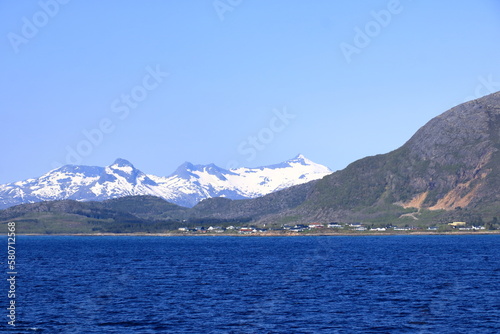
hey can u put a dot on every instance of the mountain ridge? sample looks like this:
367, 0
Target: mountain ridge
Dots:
451, 163
449, 170
186, 186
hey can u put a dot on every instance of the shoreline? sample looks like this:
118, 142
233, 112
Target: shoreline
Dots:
141, 234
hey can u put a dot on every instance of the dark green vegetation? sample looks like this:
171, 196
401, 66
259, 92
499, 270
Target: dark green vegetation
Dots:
130, 214
448, 171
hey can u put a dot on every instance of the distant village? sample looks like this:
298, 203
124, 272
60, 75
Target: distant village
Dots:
327, 228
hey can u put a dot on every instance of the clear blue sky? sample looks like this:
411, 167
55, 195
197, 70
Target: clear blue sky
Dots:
348, 79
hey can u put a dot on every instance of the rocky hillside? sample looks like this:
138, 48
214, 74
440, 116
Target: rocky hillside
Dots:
449, 170
451, 164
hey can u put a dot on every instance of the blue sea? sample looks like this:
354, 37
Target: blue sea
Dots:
369, 284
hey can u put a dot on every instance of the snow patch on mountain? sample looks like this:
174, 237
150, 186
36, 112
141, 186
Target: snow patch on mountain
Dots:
188, 185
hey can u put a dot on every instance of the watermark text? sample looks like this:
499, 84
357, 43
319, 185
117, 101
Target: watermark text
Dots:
254, 143
121, 107
364, 36
32, 26
11, 273
223, 6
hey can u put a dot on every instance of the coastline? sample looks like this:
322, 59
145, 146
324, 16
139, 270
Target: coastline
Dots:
363, 234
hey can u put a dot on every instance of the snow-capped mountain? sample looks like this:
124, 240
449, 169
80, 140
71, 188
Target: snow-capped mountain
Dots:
188, 185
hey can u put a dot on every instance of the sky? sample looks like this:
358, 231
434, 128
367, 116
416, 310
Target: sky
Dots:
232, 82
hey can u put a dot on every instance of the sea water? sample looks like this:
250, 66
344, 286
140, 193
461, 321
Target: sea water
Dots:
370, 284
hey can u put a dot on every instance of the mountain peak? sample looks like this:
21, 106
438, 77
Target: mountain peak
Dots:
300, 157
186, 186
184, 170
122, 163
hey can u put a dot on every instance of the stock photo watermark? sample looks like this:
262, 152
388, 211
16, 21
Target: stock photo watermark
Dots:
486, 86
121, 107
11, 273
254, 143
31, 26
222, 7
371, 30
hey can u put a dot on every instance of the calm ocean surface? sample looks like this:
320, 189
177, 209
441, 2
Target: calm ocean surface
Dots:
379, 284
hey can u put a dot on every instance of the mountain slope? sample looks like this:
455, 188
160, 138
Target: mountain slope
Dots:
451, 163
448, 170
188, 185
448, 163
198, 182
